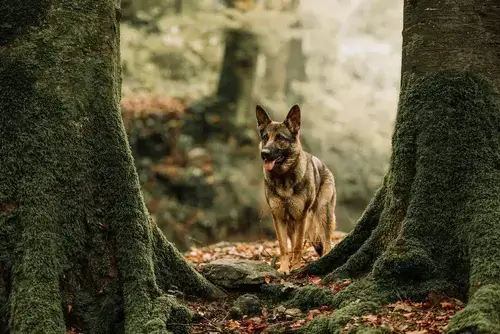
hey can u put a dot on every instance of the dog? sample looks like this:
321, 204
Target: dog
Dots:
299, 189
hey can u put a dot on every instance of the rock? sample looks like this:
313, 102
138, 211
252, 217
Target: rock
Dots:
247, 304
238, 273
293, 312
279, 291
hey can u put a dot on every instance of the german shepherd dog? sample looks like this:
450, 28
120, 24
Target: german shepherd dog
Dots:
299, 189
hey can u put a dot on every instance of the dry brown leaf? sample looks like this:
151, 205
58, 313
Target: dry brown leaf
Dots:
298, 323
402, 306
446, 305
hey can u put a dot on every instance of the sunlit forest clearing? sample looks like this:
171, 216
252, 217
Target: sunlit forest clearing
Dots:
136, 184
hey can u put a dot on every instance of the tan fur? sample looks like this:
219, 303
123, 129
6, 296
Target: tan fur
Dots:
300, 191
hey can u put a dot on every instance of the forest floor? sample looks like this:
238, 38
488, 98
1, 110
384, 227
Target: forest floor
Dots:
403, 316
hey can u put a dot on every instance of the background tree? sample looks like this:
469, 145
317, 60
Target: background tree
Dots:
77, 248
239, 65
433, 224
285, 64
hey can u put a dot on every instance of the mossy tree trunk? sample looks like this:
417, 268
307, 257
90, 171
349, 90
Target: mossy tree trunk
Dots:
434, 225
238, 73
77, 248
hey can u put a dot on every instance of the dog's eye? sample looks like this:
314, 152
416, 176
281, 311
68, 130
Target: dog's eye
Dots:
265, 137
280, 137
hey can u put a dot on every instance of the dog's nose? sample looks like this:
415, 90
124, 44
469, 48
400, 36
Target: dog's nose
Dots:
265, 154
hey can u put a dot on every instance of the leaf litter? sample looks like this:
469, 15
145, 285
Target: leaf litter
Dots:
404, 316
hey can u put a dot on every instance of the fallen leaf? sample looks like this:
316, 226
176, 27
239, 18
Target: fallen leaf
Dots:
312, 314
298, 324
369, 318
402, 306
315, 279
446, 305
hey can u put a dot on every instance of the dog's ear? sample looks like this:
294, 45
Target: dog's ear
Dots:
292, 120
263, 119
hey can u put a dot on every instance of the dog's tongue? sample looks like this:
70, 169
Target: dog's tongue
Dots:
268, 165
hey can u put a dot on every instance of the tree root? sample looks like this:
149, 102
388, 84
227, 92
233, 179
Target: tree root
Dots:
184, 278
481, 315
168, 316
354, 240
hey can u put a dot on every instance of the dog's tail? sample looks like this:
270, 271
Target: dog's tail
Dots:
318, 246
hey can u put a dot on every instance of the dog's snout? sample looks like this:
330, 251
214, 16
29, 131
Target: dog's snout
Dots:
265, 154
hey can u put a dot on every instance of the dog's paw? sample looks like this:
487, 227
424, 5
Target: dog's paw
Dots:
284, 270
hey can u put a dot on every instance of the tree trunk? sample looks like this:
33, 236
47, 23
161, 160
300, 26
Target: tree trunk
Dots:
296, 62
178, 6
77, 248
433, 226
287, 65
238, 74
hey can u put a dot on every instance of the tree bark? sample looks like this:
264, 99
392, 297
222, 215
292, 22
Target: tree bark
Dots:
433, 224
77, 248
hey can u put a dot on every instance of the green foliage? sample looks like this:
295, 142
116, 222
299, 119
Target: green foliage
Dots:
17, 16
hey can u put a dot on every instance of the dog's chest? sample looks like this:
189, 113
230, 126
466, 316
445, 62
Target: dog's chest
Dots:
287, 204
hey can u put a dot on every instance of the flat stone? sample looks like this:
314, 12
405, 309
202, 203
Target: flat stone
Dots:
229, 273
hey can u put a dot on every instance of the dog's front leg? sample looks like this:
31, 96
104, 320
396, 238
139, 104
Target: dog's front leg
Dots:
298, 243
282, 237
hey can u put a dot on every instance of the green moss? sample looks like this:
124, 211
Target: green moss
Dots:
310, 297
482, 313
168, 316
354, 240
185, 278
370, 330
335, 323
17, 16
437, 230
74, 230
410, 262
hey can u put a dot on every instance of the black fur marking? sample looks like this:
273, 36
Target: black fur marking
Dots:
318, 247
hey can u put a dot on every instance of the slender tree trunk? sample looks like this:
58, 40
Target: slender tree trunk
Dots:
287, 65
238, 74
178, 6
296, 62
433, 226
77, 248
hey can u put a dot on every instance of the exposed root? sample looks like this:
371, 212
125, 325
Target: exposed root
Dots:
184, 278
354, 240
481, 315
168, 316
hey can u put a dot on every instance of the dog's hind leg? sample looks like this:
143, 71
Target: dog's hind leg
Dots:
318, 247
328, 226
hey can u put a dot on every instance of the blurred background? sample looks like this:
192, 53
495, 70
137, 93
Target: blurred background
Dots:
193, 71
